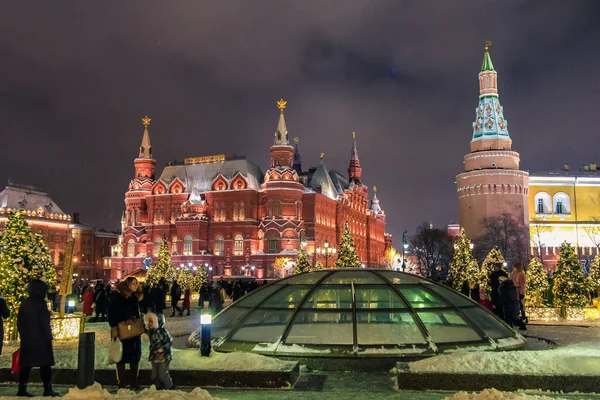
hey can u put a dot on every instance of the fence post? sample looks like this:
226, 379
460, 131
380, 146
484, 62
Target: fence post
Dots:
86, 360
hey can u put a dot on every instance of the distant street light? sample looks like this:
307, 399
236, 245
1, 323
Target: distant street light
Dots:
326, 252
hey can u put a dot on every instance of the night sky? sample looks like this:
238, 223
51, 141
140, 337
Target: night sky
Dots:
76, 78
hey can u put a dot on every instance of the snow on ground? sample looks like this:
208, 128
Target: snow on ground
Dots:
577, 353
96, 392
493, 394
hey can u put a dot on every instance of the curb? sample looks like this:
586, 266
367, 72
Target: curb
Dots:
202, 378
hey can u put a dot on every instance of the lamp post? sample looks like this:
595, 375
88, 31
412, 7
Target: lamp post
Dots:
205, 323
326, 252
404, 248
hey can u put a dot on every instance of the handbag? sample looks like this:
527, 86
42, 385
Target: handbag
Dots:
130, 328
114, 351
16, 362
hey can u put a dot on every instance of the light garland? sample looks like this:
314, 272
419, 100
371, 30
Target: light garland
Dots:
67, 327
551, 314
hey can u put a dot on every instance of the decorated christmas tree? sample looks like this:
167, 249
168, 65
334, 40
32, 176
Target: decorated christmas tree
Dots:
537, 283
163, 268
594, 275
185, 279
346, 254
302, 264
570, 287
319, 266
463, 269
487, 267
24, 257
199, 279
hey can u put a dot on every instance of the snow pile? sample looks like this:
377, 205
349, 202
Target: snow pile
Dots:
493, 394
237, 361
569, 360
96, 392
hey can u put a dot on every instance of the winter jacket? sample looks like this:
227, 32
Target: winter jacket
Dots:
520, 281
88, 300
124, 305
33, 323
186, 300
217, 301
158, 297
494, 283
510, 302
175, 293
161, 344
4, 314
100, 300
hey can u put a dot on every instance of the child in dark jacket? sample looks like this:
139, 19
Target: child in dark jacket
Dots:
161, 352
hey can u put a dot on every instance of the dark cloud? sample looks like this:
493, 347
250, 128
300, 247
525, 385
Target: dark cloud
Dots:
76, 77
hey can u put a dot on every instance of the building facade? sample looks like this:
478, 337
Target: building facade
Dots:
492, 183
226, 214
47, 219
564, 206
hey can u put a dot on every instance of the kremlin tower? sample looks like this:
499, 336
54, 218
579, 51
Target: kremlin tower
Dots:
492, 183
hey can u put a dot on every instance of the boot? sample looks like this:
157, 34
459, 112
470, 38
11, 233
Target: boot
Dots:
121, 376
22, 392
48, 392
134, 371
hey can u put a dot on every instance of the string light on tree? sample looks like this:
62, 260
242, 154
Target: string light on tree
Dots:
594, 275
464, 268
537, 283
347, 257
163, 268
493, 257
302, 264
570, 286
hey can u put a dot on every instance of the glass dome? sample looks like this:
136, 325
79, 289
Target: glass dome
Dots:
357, 313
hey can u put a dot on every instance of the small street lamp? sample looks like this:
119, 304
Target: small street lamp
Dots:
326, 252
404, 248
205, 324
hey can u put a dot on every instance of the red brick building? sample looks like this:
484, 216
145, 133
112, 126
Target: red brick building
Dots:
56, 227
226, 214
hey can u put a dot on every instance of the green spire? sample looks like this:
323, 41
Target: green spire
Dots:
487, 60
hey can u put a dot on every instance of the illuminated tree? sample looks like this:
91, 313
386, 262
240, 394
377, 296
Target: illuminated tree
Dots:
302, 264
282, 266
346, 254
319, 266
163, 268
185, 279
594, 275
537, 283
390, 258
463, 268
487, 267
199, 279
24, 258
570, 286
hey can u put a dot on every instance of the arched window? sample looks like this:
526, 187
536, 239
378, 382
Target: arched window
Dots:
156, 214
235, 211
272, 246
276, 205
543, 204
302, 237
217, 212
157, 246
238, 244
239, 185
220, 186
219, 245
562, 203
137, 217
187, 245
131, 248
242, 213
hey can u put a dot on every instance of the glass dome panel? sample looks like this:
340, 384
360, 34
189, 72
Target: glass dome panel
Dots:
387, 328
263, 326
481, 318
400, 278
447, 326
258, 295
452, 296
288, 297
305, 279
418, 297
352, 276
330, 296
228, 318
377, 296
321, 327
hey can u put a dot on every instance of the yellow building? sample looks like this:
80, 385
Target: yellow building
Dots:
564, 205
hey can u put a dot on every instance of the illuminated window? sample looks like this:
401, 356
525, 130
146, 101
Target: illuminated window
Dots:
219, 245
187, 245
235, 211
242, 215
220, 186
238, 245
272, 245
131, 248
240, 185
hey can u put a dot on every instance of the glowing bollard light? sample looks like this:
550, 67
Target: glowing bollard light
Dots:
205, 323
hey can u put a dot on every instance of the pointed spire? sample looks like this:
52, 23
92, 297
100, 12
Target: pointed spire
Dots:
354, 170
146, 146
354, 154
487, 60
281, 136
375, 207
297, 159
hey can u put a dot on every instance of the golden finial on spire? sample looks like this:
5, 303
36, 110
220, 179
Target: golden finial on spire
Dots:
375, 189
321, 156
281, 104
146, 121
296, 140
488, 43
353, 135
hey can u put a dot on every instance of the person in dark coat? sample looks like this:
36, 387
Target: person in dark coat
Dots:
100, 301
4, 314
494, 283
217, 300
204, 296
509, 300
187, 302
124, 305
33, 324
175, 298
158, 295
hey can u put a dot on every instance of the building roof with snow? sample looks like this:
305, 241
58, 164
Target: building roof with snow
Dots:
24, 197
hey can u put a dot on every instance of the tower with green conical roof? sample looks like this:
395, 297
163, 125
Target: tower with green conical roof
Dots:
492, 183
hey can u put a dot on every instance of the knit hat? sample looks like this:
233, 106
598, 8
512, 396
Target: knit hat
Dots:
151, 317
